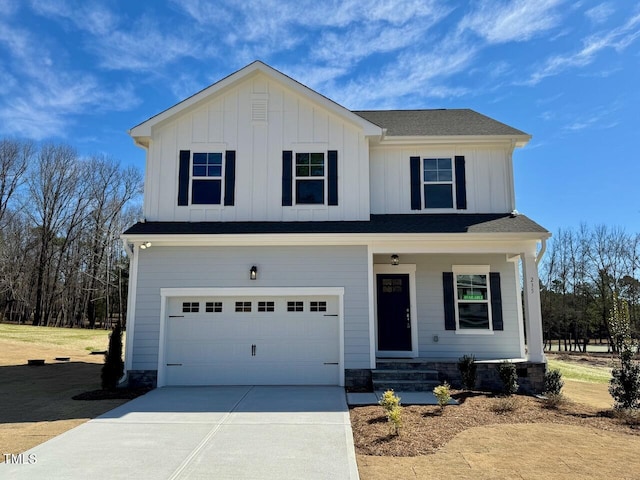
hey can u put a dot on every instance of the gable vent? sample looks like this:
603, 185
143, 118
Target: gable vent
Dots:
259, 107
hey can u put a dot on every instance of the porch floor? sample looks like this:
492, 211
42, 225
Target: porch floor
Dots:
406, 398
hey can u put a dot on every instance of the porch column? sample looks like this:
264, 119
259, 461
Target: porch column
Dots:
532, 311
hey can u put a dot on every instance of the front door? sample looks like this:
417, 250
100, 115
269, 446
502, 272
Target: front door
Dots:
394, 313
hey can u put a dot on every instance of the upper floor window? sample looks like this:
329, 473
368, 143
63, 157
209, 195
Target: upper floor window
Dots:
206, 178
438, 183
310, 178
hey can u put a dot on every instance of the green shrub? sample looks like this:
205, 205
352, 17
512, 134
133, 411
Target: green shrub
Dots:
468, 368
553, 382
394, 417
391, 404
509, 377
443, 394
113, 367
624, 385
389, 400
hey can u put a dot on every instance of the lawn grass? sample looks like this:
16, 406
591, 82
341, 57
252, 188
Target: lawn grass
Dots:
82, 338
581, 373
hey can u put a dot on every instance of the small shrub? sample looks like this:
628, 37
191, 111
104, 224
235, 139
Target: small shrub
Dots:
113, 367
504, 405
391, 404
509, 377
553, 400
389, 400
443, 394
394, 417
553, 382
624, 385
468, 368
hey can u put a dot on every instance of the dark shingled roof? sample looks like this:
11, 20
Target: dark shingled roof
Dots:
418, 223
444, 122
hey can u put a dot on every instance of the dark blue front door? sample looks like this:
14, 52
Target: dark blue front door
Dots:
394, 315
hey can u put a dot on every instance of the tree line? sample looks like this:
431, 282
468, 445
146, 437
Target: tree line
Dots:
61, 259
583, 270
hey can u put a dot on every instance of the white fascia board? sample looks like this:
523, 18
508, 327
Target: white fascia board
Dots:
143, 130
378, 243
514, 140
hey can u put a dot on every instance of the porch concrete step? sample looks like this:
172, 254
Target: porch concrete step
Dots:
404, 374
405, 385
405, 364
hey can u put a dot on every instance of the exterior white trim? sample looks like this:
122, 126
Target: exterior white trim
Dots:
409, 269
511, 244
510, 140
166, 293
131, 307
372, 309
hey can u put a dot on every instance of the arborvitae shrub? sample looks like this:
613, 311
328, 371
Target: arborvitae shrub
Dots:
468, 368
509, 377
113, 367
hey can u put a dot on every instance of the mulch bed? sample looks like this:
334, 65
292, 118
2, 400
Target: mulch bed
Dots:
426, 428
117, 394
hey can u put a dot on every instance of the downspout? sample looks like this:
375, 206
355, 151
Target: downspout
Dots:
543, 248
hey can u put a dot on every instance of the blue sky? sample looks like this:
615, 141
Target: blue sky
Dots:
568, 72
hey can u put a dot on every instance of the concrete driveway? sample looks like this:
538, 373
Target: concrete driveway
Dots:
205, 432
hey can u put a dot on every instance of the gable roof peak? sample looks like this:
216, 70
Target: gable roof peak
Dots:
142, 132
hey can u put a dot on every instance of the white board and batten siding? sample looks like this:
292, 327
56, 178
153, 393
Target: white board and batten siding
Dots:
488, 172
235, 119
228, 267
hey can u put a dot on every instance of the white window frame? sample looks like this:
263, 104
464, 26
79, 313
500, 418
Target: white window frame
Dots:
193, 177
423, 182
324, 178
472, 270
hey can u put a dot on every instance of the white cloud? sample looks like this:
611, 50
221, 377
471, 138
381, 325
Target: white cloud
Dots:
600, 13
40, 99
617, 39
520, 20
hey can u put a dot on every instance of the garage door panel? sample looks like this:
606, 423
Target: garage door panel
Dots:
217, 347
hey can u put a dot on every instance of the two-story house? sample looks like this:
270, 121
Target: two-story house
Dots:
289, 240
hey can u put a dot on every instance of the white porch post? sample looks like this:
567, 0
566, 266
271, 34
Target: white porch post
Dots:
532, 311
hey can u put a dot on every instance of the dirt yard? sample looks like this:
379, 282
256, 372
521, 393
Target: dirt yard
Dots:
35, 401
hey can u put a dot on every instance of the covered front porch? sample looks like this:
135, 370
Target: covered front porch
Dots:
438, 301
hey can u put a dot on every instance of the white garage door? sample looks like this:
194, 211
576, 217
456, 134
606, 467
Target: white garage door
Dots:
252, 341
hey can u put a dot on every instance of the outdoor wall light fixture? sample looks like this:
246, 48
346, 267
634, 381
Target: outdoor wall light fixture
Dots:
253, 273
145, 245
395, 260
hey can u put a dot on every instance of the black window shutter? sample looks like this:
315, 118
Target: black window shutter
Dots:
461, 184
449, 301
287, 180
416, 194
229, 177
183, 177
332, 157
496, 300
